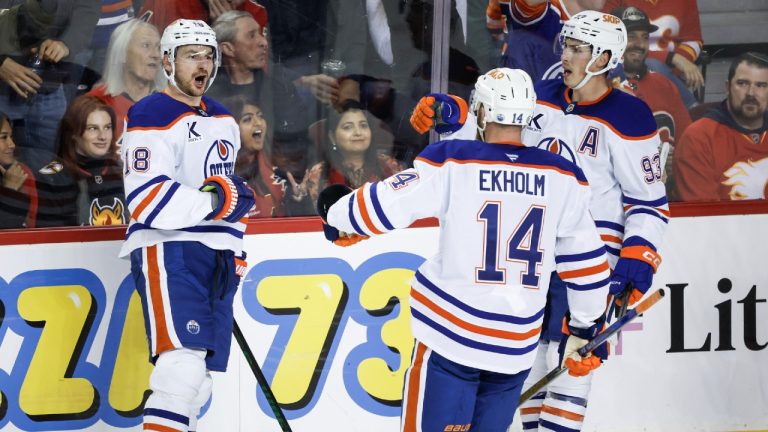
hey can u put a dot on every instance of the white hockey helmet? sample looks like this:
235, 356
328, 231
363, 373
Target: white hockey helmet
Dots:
507, 95
188, 32
603, 31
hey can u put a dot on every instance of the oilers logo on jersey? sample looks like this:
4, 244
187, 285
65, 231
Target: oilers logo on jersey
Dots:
559, 147
220, 159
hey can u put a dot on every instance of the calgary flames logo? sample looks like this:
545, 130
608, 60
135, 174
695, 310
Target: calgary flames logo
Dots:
107, 214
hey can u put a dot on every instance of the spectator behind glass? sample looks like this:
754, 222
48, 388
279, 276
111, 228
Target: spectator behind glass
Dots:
274, 196
132, 69
35, 64
724, 155
244, 54
533, 28
113, 14
347, 155
18, 194
655, 89
84, 185
676, 44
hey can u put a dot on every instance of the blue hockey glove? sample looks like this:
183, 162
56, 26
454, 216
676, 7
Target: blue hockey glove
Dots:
234, 197
637, 263
446, 112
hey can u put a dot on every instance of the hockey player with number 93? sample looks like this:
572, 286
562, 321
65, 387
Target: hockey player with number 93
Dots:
509, 216
612, 136
188, 216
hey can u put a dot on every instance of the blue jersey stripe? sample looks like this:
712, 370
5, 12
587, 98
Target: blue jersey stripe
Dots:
476, 312
352, 219
200, 229
612, 250
472, 343
590, 286
377, 207
655, 203
143, 187
580, 257
610, 225
642, 210
555, 427
170, 415
159, 207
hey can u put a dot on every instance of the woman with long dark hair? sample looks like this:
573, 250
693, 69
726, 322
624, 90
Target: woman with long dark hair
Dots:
348, 154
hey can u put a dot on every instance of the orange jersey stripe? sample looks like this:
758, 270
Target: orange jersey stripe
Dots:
145, 202
562, 413
364, 212
116, 6
585, 271
503, 334
610, 238
414, 381
159, 428
161, 330
531, 410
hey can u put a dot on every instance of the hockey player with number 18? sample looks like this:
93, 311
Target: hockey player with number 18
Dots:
188, 214
509, 216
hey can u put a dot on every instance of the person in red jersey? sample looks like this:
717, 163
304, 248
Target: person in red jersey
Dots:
724, 155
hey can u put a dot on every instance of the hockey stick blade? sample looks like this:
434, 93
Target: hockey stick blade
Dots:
594, 343
260, 378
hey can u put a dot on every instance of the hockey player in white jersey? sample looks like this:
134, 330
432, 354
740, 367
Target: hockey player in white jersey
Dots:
509, 216
612, 137
188, 215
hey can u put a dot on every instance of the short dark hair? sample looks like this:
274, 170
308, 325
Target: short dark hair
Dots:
754, 58
4, 118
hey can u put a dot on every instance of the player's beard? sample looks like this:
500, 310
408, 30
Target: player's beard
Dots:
190, 88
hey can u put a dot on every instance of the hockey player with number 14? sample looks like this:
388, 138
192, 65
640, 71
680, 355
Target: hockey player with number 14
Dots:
509, 216
188, 214
612, 136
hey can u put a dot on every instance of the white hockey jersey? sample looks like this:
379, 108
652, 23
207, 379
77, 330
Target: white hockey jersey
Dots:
614, 140
509, 215
169, 149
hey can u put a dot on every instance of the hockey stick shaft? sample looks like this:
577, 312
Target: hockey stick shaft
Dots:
594, 343
260, 378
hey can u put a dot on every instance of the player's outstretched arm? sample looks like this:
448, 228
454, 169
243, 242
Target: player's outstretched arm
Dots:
327, 198
447, 113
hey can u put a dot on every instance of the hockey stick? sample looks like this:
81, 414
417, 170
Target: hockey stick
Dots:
594, 343
260, 378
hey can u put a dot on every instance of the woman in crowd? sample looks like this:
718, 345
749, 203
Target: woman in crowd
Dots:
348, 157
132, 69
84, 185
18, 193
276, 195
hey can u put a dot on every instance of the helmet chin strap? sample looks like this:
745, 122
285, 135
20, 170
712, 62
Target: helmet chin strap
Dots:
481, 129
589, 74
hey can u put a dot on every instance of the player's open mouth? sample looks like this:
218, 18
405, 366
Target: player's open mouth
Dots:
200, 79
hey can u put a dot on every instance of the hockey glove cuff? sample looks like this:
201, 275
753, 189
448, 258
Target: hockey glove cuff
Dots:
636, 265
447, 113
234, 197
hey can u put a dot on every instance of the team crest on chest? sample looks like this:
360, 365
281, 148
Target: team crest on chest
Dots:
220, 159
557, 146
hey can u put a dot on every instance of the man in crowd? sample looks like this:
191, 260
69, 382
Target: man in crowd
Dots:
724, 155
